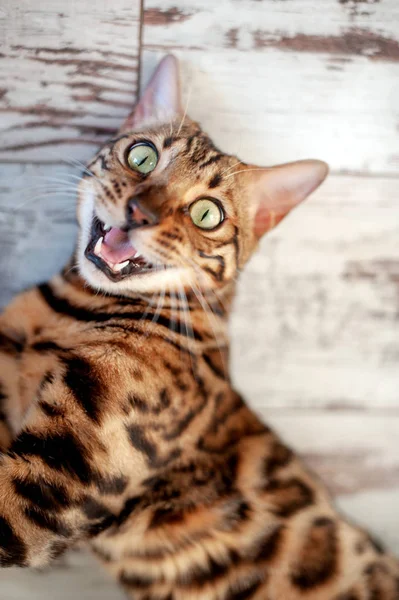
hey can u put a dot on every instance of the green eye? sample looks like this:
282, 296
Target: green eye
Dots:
142, 158
206, 213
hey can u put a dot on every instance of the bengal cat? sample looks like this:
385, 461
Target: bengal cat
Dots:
121, 424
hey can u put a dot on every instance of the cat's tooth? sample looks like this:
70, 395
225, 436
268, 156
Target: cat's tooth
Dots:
119, 266
107, 228
98, 246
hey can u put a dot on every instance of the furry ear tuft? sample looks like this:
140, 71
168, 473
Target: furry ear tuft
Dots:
275, 191
161, 100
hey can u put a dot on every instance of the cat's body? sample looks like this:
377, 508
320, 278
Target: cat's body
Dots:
132, 436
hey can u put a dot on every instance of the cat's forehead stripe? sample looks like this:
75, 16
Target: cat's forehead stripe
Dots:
213, 159
215, 181
169, 141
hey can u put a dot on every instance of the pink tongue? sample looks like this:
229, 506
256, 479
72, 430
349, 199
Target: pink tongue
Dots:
116, 246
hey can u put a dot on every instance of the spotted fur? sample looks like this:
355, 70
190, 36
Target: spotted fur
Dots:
118, 421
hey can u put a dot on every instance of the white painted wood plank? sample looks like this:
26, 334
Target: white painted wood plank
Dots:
77, 576
357, 457
68, 75
323, 293
376, 511
37, 223
275, 81
352, 452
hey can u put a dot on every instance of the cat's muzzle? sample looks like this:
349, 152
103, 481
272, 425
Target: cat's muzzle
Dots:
111, 250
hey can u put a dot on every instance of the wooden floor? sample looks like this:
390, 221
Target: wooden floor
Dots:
316, 325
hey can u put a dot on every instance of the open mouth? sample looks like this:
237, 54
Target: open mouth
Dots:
111, 250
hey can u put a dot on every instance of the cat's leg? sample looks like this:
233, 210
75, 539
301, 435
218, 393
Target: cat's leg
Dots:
11, 349
51, 478
8, 385
18, 324
50, 481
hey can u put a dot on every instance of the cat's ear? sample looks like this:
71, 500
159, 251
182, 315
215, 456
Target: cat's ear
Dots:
276, 190
161, 100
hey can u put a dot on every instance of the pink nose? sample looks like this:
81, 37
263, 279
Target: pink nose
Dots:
137, 216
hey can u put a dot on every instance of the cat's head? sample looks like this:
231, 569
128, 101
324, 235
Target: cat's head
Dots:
161, 208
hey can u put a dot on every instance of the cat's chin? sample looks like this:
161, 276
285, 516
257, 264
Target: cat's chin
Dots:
99, 278
143, 280
149, 282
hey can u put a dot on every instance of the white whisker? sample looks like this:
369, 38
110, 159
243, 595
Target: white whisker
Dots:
160, 304
187, 322
77, 164
190, 89
246, 171
230, 167
64, 194
51, 178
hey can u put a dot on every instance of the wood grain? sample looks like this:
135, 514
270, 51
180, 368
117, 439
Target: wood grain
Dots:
78, 576
275, 81
323, 292
37, 223
68, 75
351, 452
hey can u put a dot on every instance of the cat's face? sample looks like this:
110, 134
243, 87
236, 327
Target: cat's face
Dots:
176, 219
162, 209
